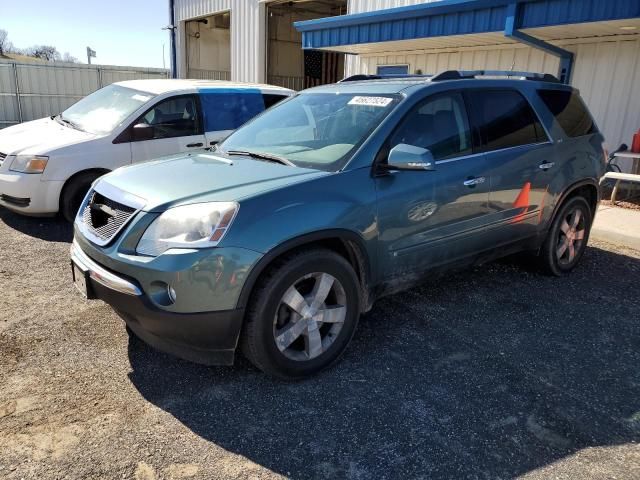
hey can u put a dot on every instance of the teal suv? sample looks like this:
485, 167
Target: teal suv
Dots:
278, 239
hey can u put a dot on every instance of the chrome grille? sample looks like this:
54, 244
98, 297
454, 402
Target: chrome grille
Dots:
104, 217
2, 157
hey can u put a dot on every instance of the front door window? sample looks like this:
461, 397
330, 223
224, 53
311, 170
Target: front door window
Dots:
440, 125
174, 117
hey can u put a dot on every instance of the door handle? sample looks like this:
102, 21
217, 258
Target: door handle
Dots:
546, 165
193, 145
473, 181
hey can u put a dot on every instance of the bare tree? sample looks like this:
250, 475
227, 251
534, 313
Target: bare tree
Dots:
44, 52
5, 44
67, 57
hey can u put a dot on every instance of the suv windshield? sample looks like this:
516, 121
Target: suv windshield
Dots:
105, 109
315, 130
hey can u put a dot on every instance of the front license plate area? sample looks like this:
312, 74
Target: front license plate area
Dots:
81, 281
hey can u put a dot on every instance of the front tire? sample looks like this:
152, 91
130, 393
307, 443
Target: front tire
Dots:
302, 314
567, 238
73, 194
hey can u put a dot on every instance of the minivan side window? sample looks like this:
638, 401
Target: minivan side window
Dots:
439, 124
173, 117
505, 119
229, 109
570, 112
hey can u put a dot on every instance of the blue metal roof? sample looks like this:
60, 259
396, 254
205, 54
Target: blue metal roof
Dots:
456, 17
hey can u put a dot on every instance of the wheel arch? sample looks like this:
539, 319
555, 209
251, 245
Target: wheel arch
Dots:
345, 243
68, 181
587, 188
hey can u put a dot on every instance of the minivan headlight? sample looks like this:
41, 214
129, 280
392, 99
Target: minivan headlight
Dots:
29, 163
200, 225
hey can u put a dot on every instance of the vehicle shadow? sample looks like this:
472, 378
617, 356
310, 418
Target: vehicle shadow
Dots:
490, 373
50, 229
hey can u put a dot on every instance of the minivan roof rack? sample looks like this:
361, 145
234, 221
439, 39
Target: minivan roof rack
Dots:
362, 76
467, 74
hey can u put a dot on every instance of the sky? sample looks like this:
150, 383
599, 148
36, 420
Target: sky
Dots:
121, 32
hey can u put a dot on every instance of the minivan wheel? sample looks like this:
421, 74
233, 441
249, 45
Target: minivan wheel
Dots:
73, 194
302, 314
567, 239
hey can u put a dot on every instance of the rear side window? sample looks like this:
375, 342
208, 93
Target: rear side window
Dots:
270, 99
229, 109
505, 119
570, 112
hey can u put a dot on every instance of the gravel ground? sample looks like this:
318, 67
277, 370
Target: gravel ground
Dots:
632, 204
496, 372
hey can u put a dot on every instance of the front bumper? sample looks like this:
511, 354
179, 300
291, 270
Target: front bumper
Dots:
209, 338
28, 194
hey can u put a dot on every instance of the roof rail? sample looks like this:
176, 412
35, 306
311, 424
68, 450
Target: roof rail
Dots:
362, 76
467, 74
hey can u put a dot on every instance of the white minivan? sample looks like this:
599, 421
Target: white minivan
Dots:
48, 165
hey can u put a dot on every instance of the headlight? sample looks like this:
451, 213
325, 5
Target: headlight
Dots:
200, 225
29, 163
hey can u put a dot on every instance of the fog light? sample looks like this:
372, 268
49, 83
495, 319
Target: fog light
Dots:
162, 293
171, 293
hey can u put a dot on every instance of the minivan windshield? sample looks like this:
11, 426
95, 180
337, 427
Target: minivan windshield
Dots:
313, 130
105, 109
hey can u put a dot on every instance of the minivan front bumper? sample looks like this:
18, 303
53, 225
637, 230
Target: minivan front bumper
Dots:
209, 338
26, 193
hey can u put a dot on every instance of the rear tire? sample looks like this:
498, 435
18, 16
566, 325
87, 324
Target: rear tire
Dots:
302, 314
567, 238
74, 192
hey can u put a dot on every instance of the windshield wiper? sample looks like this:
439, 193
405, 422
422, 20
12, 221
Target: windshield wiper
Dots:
70, 123
262, 156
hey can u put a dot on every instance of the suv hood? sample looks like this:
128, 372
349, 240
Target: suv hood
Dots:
202, 177
39, 137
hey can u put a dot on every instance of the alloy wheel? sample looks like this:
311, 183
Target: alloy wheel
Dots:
310, 316
571, 236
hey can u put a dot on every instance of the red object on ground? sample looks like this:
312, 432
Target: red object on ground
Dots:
635, 145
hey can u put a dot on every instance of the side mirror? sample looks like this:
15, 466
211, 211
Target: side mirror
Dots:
142, 131
409, 157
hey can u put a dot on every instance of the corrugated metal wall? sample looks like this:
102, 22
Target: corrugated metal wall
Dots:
477, 58
247, 34
248, 31
352, 62
608, 76
358, 6
45, 89
8, 100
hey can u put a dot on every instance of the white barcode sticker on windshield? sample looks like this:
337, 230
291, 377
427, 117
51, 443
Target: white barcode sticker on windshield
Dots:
140, 98
371, 101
